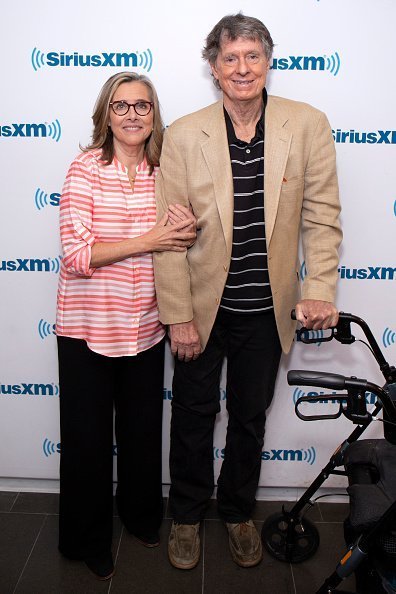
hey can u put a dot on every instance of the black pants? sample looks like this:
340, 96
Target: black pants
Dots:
251, 345
90, 386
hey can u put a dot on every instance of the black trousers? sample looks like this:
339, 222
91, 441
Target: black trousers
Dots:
91, 386
251, 345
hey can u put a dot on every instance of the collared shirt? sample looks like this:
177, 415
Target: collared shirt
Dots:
113, 307
247, 289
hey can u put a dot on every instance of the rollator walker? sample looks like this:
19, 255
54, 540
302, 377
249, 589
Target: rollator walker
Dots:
370, 465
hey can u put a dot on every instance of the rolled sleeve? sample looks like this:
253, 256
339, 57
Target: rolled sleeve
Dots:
76, 208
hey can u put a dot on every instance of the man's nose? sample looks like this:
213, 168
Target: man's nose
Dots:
243, 66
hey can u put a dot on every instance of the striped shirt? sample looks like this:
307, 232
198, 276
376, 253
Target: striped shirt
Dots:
113, 308
247, 289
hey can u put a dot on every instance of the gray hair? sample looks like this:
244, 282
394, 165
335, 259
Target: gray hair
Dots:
231, 27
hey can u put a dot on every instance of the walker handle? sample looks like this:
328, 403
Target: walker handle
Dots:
355, 408
320, 379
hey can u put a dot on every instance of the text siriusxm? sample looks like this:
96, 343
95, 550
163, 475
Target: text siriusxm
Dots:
363, 137
298, 393
368, 273
275, 455
364, 273
32, 130
24, 389
30, 265
330, 63
127, 60
54, 59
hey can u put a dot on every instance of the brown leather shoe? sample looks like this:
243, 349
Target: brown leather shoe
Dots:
184, 545
245, 543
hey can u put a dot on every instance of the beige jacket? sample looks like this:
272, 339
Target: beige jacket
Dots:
300, 195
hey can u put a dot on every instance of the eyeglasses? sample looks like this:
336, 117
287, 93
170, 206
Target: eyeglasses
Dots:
121, 108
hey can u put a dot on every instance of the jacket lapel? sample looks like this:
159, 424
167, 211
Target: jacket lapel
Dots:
216, 153
217, 156
276, 151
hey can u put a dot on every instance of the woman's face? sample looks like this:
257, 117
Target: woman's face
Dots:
131, 130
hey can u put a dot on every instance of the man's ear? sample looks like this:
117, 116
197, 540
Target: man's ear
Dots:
214, 71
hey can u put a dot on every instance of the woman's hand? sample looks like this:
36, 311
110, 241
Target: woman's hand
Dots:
177, 213
174, 237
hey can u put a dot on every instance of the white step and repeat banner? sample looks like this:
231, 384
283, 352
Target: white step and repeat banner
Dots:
54, 58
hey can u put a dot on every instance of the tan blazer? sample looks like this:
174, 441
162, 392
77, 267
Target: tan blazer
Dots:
300, 194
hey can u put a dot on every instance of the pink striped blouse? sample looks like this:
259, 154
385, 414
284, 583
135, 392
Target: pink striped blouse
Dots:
113, 307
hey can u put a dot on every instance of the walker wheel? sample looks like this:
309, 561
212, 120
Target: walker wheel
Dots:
288, 539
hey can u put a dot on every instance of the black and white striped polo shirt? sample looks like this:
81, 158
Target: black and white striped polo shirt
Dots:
247, 289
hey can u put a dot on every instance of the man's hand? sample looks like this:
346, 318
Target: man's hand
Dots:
314, 314
185, 343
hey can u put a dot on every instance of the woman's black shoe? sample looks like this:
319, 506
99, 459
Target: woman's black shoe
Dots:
101, 565
149, 540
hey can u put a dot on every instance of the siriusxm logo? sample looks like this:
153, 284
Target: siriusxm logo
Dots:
298, 393
45, 329
31, 265
308, 455
49, 448
167, 394
330, 63
367, 273
303, 271
374, 137
74, 60
388, 337
23, 389
43, 130
42, 199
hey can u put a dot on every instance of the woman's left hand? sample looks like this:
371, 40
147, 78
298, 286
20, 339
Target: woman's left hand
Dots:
177, 213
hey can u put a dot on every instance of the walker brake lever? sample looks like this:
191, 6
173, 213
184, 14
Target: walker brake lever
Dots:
341, 332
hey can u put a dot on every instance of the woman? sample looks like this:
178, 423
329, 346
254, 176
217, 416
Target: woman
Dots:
110, 341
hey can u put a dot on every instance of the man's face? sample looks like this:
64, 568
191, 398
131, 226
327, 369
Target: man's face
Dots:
241, 69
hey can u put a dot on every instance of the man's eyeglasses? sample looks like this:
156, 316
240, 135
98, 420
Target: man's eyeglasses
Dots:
121, 108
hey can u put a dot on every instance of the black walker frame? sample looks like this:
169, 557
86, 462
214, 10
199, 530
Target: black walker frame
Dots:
289, 536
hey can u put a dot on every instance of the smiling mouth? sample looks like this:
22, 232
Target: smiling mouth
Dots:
242, 83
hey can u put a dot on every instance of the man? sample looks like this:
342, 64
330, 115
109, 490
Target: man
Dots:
254, 169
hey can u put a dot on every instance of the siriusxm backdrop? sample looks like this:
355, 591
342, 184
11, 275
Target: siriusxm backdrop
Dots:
336, 55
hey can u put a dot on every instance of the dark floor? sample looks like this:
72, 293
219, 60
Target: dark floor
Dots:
30, 562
